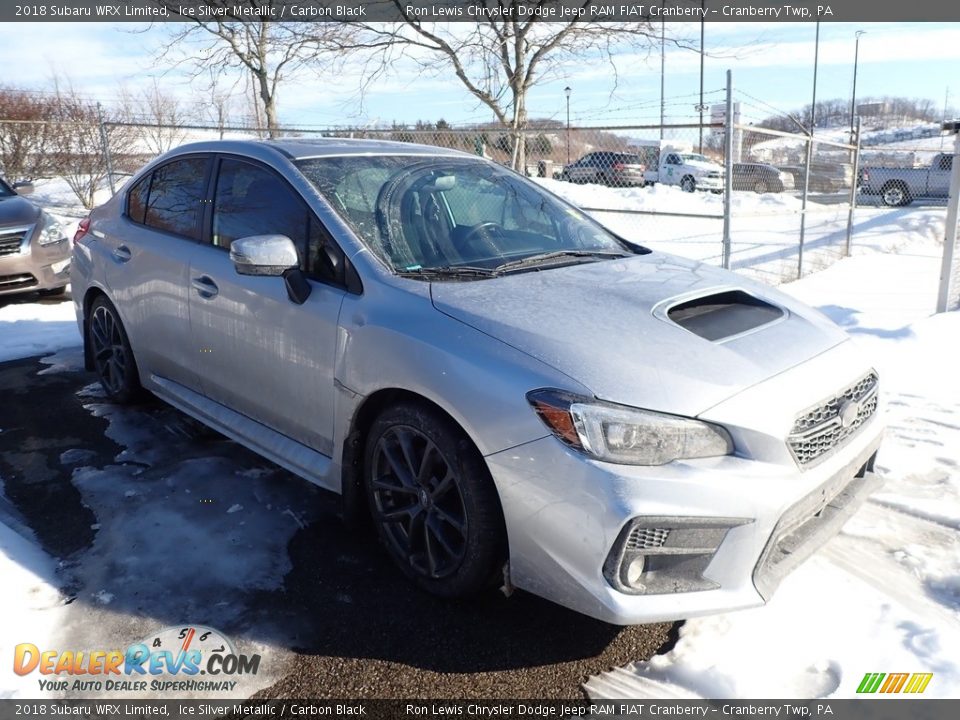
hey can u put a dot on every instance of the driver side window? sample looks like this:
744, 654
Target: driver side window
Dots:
251, 200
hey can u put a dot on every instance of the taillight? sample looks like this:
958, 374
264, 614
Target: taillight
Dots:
82, 229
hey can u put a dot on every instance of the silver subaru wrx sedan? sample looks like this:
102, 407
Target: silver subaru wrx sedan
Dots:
514, 394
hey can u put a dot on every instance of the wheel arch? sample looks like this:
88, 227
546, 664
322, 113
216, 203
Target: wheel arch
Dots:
353, 500
89, 297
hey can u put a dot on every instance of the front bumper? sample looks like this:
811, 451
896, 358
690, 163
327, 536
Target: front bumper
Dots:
566, 514
709, 183
35, 267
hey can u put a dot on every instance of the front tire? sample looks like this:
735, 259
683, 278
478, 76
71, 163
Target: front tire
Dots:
433, 501
111, 353
761, 187
688, 184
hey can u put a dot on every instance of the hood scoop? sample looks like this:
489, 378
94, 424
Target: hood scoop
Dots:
721, 316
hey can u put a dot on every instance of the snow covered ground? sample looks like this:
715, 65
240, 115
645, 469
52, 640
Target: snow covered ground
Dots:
882, 597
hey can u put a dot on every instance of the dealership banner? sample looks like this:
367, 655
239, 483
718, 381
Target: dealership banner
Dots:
485, 709
480, 11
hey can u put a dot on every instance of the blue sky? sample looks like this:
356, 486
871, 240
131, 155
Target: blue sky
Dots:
772, 62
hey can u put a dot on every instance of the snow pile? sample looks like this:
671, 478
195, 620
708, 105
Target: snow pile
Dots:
884, 596
33, 328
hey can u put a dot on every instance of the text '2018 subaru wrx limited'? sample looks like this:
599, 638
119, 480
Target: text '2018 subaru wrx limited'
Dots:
512, 392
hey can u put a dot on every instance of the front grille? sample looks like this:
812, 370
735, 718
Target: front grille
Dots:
832, 422
643, 538
11, 240
17, 282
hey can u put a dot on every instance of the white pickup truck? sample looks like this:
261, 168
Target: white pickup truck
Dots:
691, 171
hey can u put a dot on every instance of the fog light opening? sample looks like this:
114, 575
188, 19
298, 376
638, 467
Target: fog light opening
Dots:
658, 555
633, 571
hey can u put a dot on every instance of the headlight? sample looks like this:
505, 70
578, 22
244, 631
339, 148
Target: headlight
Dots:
625, 435
51, 231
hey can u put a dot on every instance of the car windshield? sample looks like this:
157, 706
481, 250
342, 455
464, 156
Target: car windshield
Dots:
693, 157
456, 214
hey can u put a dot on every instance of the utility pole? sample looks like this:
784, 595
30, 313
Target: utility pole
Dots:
853, 98
567, 91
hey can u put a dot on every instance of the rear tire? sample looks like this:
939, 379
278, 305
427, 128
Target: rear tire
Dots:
111, 353
895, 194
761, 187
433, 501
688, 184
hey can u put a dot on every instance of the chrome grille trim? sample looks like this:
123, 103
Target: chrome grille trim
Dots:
13, 240
820, 429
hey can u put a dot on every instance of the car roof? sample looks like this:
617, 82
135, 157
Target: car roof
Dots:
302, 148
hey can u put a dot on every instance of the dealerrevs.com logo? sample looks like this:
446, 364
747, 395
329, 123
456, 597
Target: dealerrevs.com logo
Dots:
168, 661
894, 682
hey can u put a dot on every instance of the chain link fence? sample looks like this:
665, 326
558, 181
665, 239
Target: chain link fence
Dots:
789, 210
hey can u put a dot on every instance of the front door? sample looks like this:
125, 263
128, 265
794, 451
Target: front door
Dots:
260, 353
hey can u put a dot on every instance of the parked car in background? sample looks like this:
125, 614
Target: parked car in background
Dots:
900, 186
825, 177
516, 395
691, 171
616, 169
760, 178
34, 250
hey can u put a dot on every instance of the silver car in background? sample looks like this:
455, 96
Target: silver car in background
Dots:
514, 394
34, 250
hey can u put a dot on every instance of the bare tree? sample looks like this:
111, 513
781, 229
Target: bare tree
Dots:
498, 61
82, 140
26, 131
267, 51
156, 118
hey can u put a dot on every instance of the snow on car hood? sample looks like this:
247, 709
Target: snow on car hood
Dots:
594, 322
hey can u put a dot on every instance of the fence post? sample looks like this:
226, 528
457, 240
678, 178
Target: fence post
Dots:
853, 190
947, 298
727, 170
106, 149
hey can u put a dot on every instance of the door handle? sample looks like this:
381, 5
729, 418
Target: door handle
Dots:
205, 287
121, 254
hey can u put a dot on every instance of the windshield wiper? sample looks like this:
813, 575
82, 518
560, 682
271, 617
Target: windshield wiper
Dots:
547, 257
448, 271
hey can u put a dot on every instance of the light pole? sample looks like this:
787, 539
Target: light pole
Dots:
853, 98
567, 91
701, 107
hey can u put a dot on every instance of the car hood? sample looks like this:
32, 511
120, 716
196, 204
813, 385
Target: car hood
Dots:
17, 211
604, 325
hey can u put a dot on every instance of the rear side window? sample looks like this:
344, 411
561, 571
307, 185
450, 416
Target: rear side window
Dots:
137, 200
175, 198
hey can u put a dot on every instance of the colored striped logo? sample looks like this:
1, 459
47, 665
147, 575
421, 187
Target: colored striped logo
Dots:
894, 682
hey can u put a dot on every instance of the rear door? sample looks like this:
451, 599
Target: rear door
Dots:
258, 352
149, 250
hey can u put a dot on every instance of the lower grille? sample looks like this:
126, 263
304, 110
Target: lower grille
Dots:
834, 421
809, 523
17, 282
642, 538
